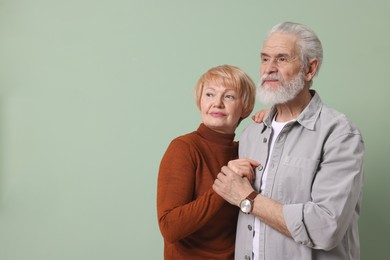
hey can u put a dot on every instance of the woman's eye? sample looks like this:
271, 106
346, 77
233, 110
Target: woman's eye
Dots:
209, 95
229, 97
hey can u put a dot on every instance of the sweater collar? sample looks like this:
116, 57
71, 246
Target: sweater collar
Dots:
215, 137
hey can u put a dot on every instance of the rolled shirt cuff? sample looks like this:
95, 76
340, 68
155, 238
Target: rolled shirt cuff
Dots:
293, 215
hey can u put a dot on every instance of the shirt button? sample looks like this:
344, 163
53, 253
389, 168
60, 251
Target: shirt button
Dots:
250, 227
264, 140
260, 167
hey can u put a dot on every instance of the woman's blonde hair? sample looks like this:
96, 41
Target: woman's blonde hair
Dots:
230, 77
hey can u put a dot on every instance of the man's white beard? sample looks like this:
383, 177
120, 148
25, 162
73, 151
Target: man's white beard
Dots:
282, 94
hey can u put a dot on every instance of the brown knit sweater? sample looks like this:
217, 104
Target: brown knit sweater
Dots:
195, 222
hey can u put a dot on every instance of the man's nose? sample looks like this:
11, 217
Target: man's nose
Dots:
270, 67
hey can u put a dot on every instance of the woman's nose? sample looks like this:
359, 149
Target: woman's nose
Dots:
218, 102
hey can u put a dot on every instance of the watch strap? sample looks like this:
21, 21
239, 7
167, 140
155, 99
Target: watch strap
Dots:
252, 196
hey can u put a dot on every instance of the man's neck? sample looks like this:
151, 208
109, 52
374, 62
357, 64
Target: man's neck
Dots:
292, 109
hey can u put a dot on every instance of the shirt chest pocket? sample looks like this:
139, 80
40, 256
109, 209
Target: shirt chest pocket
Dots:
294, 179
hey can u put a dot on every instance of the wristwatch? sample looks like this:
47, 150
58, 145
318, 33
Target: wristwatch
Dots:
246, 205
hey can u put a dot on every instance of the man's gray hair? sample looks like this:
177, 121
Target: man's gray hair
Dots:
309, 45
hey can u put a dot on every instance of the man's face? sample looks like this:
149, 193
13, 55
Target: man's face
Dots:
281, 79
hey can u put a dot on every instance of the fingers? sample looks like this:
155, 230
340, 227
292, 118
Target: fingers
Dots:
259, 116
230, 186
224, 176
233, 164
252, 162
225, 171
244, 167
217, 186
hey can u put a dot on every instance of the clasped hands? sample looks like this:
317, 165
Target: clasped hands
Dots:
235, 180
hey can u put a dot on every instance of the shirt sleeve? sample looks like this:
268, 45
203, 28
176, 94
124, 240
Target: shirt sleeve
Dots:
179, 214
336, 193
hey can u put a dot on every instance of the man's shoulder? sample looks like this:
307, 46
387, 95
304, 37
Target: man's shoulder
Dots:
252, 133
253, 128
337, 120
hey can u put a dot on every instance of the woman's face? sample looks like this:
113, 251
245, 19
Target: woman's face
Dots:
220, 108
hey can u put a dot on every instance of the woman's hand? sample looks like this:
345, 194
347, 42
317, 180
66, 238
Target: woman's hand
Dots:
244, 167
259, 116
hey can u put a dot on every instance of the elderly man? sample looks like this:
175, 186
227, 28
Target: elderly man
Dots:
305, 201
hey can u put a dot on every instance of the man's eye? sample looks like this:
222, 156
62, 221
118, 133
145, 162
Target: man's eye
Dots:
282, 59
264, 60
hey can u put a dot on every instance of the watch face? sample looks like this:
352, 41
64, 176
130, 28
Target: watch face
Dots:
246, 206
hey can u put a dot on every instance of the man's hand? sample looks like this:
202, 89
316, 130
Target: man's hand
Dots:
232, 183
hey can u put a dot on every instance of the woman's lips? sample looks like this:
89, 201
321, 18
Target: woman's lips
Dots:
217, 114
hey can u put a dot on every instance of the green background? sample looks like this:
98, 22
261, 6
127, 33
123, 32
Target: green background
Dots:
92, 92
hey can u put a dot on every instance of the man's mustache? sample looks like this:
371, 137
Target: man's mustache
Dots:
272, 76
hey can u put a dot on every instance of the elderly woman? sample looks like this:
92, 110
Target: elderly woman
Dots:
195, 222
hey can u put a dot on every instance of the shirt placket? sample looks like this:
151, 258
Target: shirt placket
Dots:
271, 177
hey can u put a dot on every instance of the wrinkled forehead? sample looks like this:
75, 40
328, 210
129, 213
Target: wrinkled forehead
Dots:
281, 43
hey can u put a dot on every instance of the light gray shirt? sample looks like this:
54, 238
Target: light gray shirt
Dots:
316, 172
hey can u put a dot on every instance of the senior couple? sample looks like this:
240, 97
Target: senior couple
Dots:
292, 187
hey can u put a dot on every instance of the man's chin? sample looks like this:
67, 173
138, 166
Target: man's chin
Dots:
267, 97
271, 87
271, 100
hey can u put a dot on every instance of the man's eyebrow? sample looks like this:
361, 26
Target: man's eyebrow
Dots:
277, 55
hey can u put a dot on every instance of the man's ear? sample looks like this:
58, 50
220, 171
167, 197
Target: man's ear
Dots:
311, 70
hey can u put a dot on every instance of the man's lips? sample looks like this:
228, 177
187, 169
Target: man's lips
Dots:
270, 81
270, 78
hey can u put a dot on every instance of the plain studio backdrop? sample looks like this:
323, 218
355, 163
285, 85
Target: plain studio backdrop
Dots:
92, 92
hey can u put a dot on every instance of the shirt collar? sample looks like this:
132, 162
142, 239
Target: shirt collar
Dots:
309, 115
